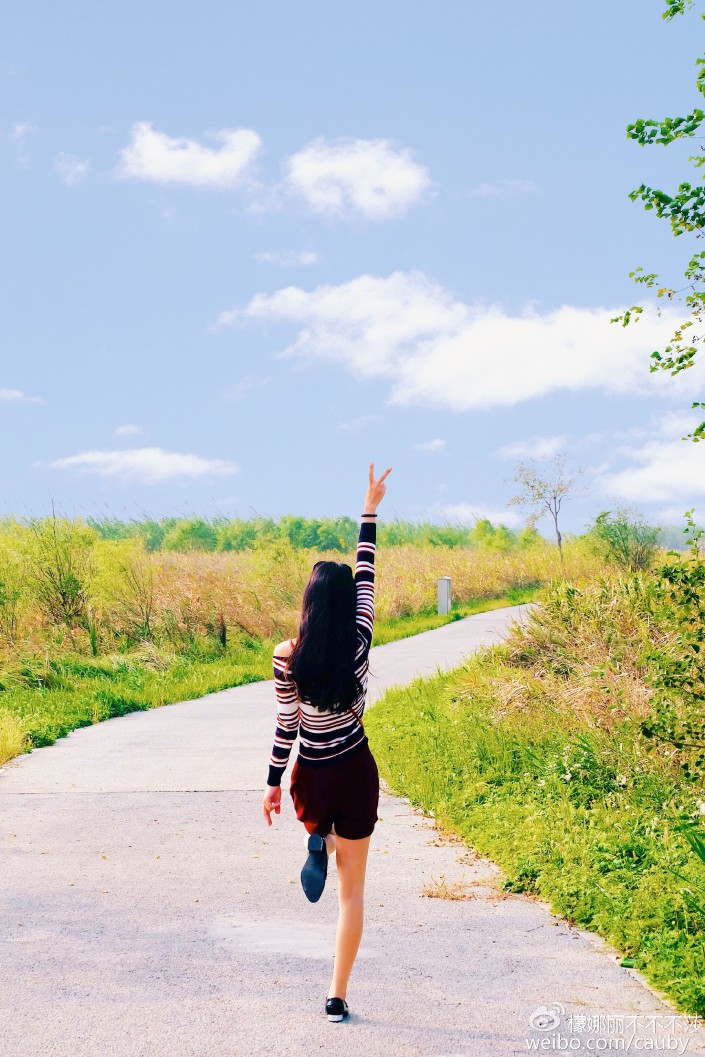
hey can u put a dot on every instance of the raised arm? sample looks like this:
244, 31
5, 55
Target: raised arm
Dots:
365, 581
365, 561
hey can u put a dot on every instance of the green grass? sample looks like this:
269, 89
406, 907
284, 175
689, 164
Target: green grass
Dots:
51, 698
585, 821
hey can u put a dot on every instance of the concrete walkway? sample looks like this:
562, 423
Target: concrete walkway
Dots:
147, 911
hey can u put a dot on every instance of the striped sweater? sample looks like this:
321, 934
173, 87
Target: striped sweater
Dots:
327, 737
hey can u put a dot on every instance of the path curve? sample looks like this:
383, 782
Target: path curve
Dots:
147, 911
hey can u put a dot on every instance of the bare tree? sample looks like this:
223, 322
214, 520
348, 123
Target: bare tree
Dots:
544, 491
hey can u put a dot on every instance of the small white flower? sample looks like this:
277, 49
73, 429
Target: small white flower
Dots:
621, 779
567, 776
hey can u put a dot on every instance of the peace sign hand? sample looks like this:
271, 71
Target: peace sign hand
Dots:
376, 489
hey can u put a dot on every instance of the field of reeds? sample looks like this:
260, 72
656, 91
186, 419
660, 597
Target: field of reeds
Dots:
93, 626
62, 584
573, 756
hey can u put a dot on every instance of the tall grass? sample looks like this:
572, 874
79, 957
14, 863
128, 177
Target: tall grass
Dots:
532, 753
14, 736
65, 587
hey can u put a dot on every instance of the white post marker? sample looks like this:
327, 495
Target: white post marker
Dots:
443, 594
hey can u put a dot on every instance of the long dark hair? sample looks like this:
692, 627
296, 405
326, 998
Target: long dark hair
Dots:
322, 662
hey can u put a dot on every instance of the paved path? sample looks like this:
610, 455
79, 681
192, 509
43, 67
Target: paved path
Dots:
147, 911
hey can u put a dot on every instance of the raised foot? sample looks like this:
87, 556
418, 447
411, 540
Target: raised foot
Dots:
315, 869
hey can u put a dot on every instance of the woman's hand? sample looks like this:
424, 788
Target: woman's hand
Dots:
272, 802
375, 490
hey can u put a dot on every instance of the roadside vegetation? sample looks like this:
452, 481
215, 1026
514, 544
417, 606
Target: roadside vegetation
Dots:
573, 755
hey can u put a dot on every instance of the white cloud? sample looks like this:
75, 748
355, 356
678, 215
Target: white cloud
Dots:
369, 177
532, 448
20, 135
128, 429
663, 468
287, 258
145, 465
71, 169
152, 155
589, 440
503, 189
8, 396
437, 351
674, 517
21, 130
431, 445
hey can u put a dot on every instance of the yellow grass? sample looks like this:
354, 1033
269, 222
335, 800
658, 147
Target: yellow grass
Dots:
128, 594
442, 889
580, 658
12, 736
262, 592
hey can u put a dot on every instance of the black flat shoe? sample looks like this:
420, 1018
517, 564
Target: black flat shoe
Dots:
336, 1008
315, 869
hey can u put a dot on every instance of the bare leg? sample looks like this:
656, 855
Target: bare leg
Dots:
330, 839
352, 863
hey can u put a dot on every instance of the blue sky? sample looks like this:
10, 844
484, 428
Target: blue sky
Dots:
248, 249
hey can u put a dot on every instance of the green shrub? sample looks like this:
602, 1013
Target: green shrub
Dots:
677, 667
625, 539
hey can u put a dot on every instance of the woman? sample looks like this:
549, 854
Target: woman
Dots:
320, 680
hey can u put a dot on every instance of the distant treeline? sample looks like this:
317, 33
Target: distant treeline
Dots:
336, 534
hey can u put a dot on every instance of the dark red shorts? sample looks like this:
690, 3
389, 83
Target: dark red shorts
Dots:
344, 795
